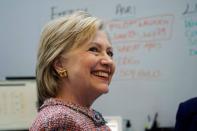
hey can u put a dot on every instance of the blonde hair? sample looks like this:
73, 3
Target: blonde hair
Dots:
59, 36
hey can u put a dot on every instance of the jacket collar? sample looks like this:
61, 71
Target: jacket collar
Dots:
94, 115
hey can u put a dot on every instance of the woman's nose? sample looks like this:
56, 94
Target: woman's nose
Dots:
107, 60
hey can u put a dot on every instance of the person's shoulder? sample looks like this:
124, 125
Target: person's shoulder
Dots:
52, 117
191, 101
189, 107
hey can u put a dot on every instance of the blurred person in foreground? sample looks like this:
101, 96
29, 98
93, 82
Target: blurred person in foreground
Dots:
186, 117
74, 67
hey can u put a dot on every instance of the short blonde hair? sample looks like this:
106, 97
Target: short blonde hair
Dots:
59, 36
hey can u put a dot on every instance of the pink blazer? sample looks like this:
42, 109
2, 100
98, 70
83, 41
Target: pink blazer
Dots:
56, 115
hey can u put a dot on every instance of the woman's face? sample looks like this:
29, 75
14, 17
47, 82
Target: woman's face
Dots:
91, 67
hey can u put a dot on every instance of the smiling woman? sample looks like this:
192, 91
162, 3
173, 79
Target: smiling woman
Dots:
74, 67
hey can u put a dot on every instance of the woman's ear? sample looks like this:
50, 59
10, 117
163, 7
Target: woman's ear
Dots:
59, 67
57, 64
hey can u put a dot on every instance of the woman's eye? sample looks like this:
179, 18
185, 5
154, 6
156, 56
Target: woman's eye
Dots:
110, 53
93, 49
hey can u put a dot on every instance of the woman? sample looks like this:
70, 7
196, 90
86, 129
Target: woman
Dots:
74, 67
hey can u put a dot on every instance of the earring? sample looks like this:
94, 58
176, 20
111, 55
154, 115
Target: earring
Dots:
62, 73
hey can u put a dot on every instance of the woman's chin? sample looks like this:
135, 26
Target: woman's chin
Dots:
104, 89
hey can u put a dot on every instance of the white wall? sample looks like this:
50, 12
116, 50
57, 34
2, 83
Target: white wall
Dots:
155, 46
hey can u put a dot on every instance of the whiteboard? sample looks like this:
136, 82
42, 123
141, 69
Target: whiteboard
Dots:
155, 47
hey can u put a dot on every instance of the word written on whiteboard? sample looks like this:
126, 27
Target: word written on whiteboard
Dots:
133, 47
57, 12
138, 74
142, 29
190, 9
126, 60
193, 52
125, 10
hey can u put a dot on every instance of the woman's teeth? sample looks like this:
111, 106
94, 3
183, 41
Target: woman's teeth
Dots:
101, 74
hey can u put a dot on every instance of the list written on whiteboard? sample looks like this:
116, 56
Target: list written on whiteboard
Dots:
190, 19
134, 36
